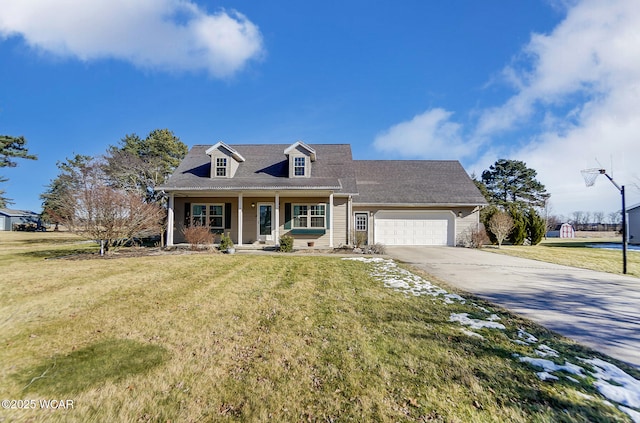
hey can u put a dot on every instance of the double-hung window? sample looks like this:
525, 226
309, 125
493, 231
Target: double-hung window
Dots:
309, 216
299, 166
211, 215
221, 166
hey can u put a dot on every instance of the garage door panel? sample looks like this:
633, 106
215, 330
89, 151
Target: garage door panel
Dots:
413, 228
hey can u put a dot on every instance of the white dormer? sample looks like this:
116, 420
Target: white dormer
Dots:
224, 160
300, 158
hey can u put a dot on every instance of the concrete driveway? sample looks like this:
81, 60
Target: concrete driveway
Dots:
599, 310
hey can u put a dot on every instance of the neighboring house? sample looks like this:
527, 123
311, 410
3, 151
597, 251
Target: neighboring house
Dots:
633, 224
11, 220
564, 230
318, 193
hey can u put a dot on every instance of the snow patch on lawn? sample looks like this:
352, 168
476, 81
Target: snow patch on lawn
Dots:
402, 280
544, 351
550, 366
464, 319
546, 376
635, 416
471, 333
526, 336
610, 381
614, 383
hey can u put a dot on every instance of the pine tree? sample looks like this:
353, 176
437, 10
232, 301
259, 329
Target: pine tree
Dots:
511, 181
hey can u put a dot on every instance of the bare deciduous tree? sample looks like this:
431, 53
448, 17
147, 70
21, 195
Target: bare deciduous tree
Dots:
615, 218
97, 211
500, 225
598, 217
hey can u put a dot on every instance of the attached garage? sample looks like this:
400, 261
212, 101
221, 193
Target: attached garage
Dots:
414, 227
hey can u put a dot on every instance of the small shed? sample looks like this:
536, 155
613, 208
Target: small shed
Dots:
633, 224
564, 230
12, 220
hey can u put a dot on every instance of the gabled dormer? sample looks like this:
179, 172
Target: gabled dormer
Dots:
224, 160
300, 157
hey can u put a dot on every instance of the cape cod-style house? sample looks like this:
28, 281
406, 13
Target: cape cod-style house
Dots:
318, 193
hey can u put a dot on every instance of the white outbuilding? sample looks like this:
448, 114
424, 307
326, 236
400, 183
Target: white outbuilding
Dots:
564, 230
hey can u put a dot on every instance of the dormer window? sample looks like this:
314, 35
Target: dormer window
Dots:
224, 160
300, 157
221, 166
299, 166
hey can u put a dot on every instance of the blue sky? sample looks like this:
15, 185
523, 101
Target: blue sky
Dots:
553, 83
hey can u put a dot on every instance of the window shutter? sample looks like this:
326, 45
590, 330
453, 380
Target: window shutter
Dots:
287, 215
227, 215
187, 214
328, 216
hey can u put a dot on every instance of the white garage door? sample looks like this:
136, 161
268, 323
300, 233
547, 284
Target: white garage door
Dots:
413, 228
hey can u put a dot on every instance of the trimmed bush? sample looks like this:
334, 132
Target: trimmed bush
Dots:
286, 244
225, 242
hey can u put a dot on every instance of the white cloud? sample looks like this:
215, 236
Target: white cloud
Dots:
590, 63
165, 34
431, 135
576, 93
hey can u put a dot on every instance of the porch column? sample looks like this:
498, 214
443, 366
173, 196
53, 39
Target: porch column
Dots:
170, 206
239, 219
276, 233
350, 219
331, 220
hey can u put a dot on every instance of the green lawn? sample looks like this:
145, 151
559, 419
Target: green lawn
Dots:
210, 337
577, 253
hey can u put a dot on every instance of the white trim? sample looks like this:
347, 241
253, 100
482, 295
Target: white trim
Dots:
309, 216
258, 236
292, 147
277, 220
207, 216
349, 214
170, 217
225, 167
233, 152
331, 225
240, 204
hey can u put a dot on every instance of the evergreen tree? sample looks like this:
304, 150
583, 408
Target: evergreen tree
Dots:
536, 227
511, 181
139, 165
519, 232
55, 200
10, 148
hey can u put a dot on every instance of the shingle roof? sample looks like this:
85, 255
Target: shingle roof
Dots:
266, 168
437, 182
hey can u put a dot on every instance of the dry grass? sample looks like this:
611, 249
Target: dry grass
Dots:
199, 337
577, 253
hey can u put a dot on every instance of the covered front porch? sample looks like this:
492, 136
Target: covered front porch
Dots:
261, 218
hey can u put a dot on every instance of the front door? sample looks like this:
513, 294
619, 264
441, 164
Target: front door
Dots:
265, 226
